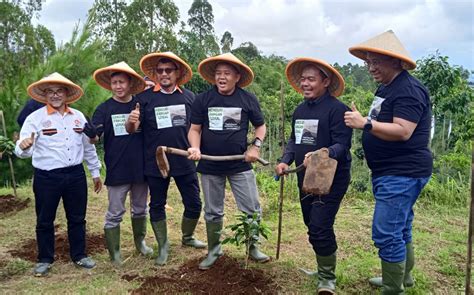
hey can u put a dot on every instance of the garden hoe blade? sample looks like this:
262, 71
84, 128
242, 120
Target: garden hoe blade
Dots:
162, 161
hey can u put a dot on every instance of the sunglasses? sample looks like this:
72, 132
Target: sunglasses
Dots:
165, 70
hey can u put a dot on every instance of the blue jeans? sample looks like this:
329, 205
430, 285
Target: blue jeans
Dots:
393, 214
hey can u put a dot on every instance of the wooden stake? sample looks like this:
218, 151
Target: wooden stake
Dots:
10, 162
470, 233
282, 178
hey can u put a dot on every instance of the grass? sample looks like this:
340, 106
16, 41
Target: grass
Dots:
440, 235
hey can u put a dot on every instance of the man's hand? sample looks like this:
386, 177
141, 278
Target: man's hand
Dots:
354, 119
194, 154
252, 154
134, 116
280, 168
27, 142
90, 129
97, 184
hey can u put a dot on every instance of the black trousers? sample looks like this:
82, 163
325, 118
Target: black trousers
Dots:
319, 213
49, 187
188, 186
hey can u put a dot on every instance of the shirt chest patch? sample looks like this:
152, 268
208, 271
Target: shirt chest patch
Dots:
170, 116
306, 131
49, 131
224, 118
118, 124
376, 107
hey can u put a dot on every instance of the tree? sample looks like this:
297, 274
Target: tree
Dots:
135, 29
22, 45
247, 51
226, 42
201, 23
451, 97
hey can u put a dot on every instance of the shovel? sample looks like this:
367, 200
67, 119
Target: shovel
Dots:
164, 166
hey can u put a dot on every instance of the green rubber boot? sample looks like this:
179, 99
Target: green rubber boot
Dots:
112, 239
214, 251
326, 274
257, 255
187, 227
410, 263
139, 233
161, 235
392, 278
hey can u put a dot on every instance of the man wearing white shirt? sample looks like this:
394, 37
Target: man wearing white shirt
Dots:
53, 137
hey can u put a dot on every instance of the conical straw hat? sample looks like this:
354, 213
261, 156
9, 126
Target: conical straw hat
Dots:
37, 89
103, 76
149, 62
295, 68
207, 68
387, 44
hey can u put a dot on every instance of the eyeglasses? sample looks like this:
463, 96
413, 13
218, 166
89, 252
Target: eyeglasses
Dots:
58, 92
165, 70
375, 63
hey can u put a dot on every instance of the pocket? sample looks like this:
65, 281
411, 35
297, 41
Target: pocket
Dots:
49, 132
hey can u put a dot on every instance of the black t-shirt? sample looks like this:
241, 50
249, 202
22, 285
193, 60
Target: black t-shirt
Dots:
123, 152
225, 124
320, 123
408, 99
165, 121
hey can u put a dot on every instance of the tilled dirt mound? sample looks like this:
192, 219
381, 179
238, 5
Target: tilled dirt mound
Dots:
8, 203
29, 251
226, 276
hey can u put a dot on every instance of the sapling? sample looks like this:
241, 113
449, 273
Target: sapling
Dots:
246, 232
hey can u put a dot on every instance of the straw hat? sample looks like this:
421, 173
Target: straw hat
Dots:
207, 68
37, 89
103, 76
295, 68
387, 44
149, 62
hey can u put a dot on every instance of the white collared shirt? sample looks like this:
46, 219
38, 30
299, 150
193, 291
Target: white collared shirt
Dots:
59, 141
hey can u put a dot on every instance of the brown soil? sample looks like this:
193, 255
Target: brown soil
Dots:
8, 203
28, 251
226, 276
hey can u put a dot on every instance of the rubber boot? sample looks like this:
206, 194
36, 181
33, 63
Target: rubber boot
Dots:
392, 278
161, 235
112, 239
326, 274
187, 227
410, 263
257, 255
214, 251
139, 233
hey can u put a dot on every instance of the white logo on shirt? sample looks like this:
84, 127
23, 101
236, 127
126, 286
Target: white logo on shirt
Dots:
306, 131
224, 118
170, 116
376, 106
118, 122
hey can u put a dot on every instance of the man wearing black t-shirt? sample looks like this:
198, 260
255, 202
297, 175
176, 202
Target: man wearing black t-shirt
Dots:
395, 141
219, 126
163, 116
318, 122
123, 156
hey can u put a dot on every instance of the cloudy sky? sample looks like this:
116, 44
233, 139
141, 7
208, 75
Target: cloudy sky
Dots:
323, 29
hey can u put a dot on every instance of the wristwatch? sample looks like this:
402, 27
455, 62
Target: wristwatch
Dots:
257, 142
368, 124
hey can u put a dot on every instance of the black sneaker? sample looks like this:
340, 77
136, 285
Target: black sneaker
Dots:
85, 262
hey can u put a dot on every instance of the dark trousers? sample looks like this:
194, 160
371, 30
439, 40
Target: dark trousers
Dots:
319, 214
49, 186
188, 187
